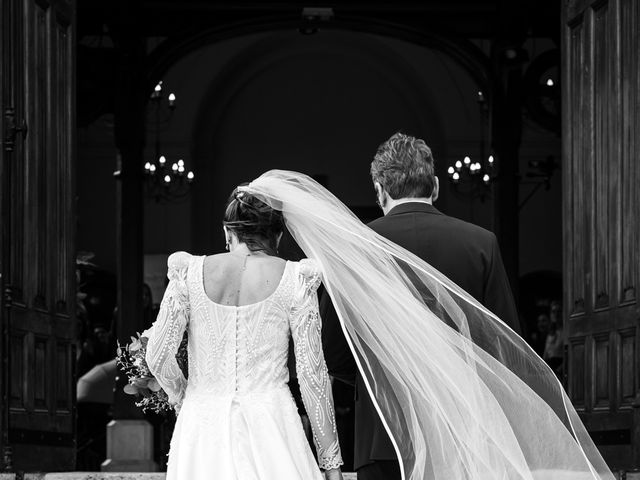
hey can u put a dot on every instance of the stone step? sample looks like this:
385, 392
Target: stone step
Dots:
106, 476
95, 476
160, 476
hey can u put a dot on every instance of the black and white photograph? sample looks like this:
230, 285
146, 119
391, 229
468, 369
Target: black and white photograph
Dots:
351, 240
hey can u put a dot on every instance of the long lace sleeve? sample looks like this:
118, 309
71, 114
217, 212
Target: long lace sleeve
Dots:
166, 332
313, 377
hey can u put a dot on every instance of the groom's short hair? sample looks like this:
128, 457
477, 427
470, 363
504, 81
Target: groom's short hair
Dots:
403, 165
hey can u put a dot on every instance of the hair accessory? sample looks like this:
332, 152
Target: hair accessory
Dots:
240, 191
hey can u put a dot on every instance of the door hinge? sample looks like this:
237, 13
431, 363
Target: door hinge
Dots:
12, 129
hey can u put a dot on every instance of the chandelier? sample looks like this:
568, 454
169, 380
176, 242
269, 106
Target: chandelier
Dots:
472, 179
164, 181
467, 171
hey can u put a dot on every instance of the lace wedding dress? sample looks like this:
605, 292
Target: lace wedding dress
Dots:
237, 418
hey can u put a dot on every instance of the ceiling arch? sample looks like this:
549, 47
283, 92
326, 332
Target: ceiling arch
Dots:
462, 51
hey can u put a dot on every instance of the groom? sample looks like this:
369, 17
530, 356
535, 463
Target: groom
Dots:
406, 187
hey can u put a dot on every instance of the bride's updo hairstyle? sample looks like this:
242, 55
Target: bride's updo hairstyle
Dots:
254, 222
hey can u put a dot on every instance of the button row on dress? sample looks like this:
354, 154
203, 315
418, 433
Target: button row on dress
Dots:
236, 343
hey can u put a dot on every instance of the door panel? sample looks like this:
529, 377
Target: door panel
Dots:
38, 251
601, 234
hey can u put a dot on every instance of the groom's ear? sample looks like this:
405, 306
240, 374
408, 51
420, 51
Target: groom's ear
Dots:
381, 196
436, 190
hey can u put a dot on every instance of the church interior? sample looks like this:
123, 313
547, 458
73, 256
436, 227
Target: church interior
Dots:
126, 124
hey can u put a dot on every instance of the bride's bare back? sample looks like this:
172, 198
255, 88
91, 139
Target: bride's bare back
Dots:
240, 279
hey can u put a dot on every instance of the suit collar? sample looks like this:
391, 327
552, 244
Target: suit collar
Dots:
414, 207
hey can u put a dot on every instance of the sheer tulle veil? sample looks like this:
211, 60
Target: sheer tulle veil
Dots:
461, 395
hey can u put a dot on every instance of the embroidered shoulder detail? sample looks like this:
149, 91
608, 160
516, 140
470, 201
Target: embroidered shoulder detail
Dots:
178, 260
310, 274
178, 263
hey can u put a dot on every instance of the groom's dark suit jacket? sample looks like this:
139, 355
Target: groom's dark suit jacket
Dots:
466, 254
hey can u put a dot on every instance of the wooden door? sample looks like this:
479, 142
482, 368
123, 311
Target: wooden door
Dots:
38, 223
601, 148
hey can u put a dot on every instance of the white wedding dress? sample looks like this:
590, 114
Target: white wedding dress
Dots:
237, 419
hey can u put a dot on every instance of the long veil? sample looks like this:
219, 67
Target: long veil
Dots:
461, 395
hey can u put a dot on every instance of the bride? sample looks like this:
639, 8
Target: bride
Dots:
237, 418
460, 394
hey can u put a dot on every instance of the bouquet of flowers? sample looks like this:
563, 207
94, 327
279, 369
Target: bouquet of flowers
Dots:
131, 360
141, 382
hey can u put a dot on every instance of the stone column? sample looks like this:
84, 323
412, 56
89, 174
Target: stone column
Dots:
508, 57
129, 435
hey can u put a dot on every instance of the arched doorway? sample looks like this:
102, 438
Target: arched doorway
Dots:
320, 104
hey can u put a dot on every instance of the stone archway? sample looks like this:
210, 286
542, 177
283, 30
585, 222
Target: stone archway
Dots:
463, 52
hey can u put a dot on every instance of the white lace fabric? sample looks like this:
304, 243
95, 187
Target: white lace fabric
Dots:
166, 332
313, 377
238, 372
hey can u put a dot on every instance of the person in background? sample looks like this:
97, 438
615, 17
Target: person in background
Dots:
554, 342
539, 336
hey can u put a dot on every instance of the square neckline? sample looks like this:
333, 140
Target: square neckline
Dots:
264, 300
